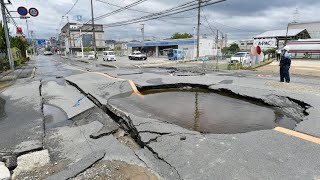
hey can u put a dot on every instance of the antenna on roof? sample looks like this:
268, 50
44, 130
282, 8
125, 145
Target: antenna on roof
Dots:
296, 15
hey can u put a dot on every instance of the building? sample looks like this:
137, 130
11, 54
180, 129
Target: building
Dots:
72, 34
306, 48
245, 45
158, 48
110, 44
53, 41
277, 38
313, 28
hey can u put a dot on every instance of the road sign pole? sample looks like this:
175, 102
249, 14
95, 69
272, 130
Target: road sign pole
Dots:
5, 25
33, 49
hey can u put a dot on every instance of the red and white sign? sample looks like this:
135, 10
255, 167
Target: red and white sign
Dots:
19, 30
258, 50
33, 12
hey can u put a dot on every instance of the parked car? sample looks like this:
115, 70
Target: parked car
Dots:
240, 57
137, 55
91, 55
47, 53
109, 56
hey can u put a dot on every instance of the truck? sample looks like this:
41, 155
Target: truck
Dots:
175, 54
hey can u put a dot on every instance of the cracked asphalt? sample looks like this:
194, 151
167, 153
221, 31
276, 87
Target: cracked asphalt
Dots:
88, 134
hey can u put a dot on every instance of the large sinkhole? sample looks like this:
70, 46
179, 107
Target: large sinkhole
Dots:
202, 110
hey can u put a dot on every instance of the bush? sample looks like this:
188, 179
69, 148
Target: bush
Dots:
5, 65
19, 61
234, 66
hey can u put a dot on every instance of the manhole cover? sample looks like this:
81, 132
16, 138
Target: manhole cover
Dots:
202, 111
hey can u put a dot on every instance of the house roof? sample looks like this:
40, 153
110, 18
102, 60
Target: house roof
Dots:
280, 33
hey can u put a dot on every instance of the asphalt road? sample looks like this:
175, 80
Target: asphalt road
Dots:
87, 94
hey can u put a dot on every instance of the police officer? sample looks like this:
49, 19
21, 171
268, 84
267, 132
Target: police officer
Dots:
285, 64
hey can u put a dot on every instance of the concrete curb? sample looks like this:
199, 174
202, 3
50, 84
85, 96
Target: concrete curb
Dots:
107, 65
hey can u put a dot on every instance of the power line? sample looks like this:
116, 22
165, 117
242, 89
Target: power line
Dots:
75, 3
119, 10
113, 12
136, 10
147, 12
172, 11
210, 26
169, 12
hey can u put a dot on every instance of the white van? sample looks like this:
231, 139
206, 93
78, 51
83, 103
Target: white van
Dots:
109, 56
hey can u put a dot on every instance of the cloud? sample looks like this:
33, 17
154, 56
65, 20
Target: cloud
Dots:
240, 19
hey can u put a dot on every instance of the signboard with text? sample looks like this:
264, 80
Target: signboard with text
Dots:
265, 43
41, 41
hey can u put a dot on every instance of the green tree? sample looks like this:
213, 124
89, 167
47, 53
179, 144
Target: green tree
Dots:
2, 37
87, 49
181, 35
20, 43
225, 50
234, 48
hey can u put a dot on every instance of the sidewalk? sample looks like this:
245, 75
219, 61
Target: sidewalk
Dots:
24, 71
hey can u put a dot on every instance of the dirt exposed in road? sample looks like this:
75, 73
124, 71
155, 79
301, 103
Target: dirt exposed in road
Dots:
116, 170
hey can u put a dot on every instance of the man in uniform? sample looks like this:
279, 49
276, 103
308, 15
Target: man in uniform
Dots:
285, 64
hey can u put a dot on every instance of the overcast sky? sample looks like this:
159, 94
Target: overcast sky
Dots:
239, 19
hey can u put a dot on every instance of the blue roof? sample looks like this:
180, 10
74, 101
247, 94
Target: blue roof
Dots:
162, 43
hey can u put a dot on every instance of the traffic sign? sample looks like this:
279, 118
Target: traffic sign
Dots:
79, 18
24, 17
33, 12
41, 41
22, 11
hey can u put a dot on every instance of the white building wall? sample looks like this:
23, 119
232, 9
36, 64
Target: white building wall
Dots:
206, 48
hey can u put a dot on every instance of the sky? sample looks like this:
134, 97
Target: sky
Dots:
239, 19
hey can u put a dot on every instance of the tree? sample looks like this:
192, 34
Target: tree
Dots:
19, 43
87, 49
234, 47
181, 35
2, 37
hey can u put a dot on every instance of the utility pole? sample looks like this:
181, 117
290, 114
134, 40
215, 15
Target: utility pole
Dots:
194, 43
217, 42
222, 41
142, 31
226, 40
69, 36
198, 29
94, 33
5, 26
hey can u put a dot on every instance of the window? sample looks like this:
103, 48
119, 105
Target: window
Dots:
242, 44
